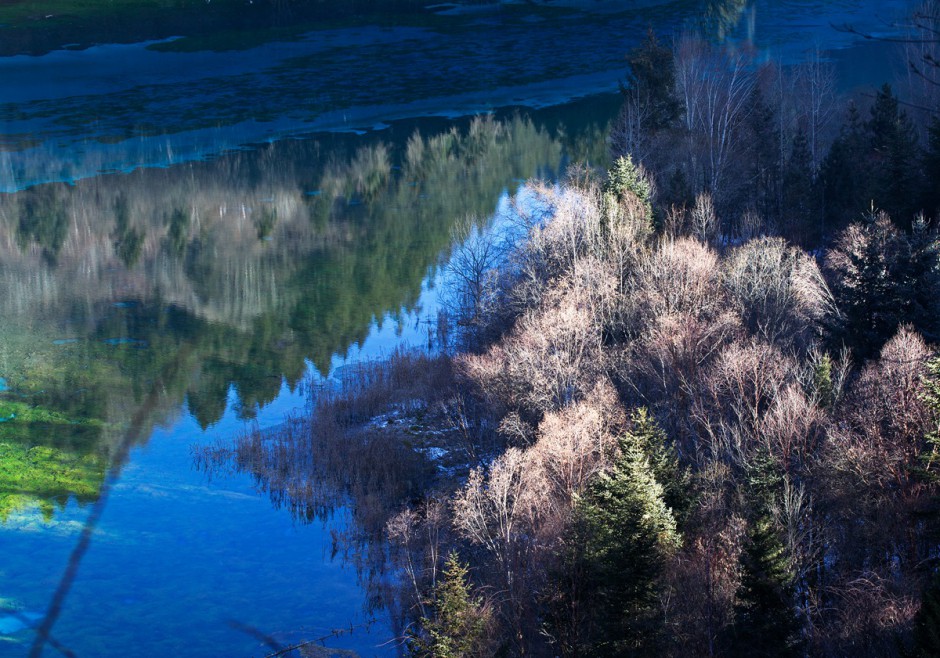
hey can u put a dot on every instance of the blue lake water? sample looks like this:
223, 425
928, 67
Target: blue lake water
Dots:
190, 239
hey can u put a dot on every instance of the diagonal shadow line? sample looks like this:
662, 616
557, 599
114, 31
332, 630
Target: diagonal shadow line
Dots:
61, 648
44, 632
55, 644
256, 633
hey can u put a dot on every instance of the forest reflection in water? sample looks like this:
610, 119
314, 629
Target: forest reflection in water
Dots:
384, 437
223, 277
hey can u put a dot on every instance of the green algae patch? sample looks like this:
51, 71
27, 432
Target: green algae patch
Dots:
44, 476
22, 413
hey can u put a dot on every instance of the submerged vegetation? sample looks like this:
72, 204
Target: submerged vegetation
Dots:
38, 467
692, 408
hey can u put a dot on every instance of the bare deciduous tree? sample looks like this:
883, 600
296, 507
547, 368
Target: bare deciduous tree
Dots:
816, 82
575, 443
703, 218
778, 290
554, 354
501, 511
740, 388
714, 87
471, 279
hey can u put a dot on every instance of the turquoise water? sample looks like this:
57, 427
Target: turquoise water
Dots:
191, 238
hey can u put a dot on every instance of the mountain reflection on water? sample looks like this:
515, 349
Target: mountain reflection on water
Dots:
256, 262
191, 229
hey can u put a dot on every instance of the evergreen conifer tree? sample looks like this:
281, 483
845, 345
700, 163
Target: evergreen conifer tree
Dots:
629, 531
844, 174
930, 202
765, 161
823, 388
651, 78
765, 622
920, 274
669, 474
893, 157
798, 188
872, 285
625, 177
458, 627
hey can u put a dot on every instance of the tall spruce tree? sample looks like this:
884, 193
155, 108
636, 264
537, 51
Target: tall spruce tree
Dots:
930, 197
651, 78
872, 284
629, 531
627, 178
458, 627
921, 279
893, 158
765, 620
764, 190
798, 190
844, 174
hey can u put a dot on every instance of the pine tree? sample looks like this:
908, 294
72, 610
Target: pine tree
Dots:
883, 120
629, 531
625, 177
920, 274
669, 474
765, 164
651, 78
930, 197
765, 622
893, 157
844, 174
823, 388
798, 188
873, 284
927, 622
459, 625
626, 184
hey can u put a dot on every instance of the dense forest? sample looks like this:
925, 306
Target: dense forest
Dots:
697, 396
